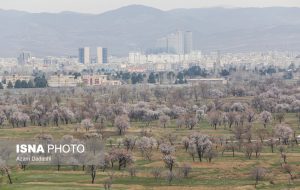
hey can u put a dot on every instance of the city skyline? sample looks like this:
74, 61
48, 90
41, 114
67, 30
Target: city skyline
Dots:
101, 6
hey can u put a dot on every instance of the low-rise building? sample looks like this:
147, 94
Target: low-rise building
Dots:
98, 80
94, 80
64, 81
13, 78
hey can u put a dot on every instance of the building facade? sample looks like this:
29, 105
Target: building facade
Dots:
98, 80
13, 78
64, 81
188, 42
24, 57
84, 55
102, 55
180, 42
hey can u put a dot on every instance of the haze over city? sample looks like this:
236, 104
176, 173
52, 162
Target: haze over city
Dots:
100, 6
149, 94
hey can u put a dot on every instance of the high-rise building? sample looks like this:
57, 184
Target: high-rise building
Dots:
84, 55
180, 42
180, 45
162, 44
24, 57
175, 43
188, 42
99, 55
172, 43
105, 55
102, 55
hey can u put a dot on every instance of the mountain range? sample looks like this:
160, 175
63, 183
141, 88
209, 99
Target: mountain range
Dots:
137, 27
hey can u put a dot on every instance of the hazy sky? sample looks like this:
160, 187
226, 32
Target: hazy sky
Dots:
99, 6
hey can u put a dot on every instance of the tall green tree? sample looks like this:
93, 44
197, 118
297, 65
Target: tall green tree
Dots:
30, 84
180, 78
18, 84
10, 85
24, 84
40, 81
151, 78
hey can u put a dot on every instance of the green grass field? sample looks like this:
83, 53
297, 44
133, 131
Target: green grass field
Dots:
224, 172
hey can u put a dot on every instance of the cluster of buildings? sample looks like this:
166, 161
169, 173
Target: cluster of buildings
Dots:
64, 80
176, 54
84, 55
141, 58
84, 80
252, 60
13, 78
24, 58
180, 42
163, 61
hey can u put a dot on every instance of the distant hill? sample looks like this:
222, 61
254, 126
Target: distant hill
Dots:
137, 27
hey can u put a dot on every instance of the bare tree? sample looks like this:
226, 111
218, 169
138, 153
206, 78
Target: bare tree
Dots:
123, 157
146, 146
2, 117
87, 124
190, 121
230, 146
93, 164
231, 118
93, 142
23, 162
156, 172
5, 170
180, 122
55, 115
248, 150
19, 119
214, 118
283, 132
108, 183
169, 162
129, 142
186, 169
185, 142
258, 174
164, 120
170, 177
250, 115
132, 171
122, 124
66, 115
265, 117
271, 142
201, 142
209, 155
200, 113
262, 134
289, 170
237, 107
257, 147
171, 137
57, 159
166, 149
280, 116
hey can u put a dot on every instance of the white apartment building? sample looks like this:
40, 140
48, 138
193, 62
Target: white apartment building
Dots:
64, 81
84, 55
135, 58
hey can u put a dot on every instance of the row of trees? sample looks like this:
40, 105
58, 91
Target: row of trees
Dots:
38, 82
